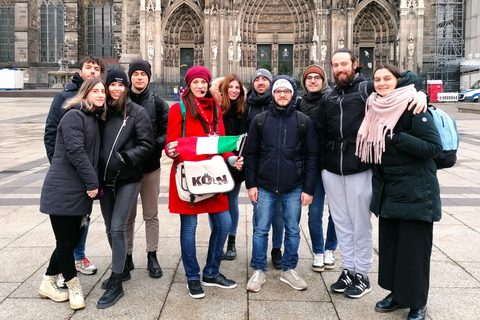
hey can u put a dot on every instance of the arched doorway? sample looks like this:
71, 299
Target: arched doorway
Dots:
375, 35
184, 42
276, 35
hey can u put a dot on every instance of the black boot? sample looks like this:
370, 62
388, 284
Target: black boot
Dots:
153, 267
113, 293
231, 250
125, 277
129, 263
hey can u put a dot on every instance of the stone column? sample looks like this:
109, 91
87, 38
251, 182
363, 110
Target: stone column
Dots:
130, 37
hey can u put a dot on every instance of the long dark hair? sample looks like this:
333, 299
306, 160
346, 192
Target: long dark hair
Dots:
121, 104
189, 99
226, 103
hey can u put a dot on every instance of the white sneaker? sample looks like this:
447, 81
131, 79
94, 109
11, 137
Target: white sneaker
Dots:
292, 278
317, 264
61, 281
84, 266
329, 260
256, 281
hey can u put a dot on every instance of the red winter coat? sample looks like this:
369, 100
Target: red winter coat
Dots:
193, 128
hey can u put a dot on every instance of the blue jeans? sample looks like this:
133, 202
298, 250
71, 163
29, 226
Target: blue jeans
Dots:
315, 216
188, 226
79, 252
116, 204
277, 225
291, 212
233, 208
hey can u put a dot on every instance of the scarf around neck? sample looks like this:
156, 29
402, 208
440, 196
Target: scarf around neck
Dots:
381, 116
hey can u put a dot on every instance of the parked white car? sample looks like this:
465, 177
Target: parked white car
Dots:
470, 95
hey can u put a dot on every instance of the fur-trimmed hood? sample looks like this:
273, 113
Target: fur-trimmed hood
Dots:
215, 89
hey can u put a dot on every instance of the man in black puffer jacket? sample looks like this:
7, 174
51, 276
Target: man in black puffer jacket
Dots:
258, 100
139, 74
280, 168
90, 67
347, 180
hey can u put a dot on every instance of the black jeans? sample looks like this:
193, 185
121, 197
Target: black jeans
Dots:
68, 232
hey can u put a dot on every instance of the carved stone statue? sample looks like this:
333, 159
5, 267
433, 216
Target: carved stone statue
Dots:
214, 50
230, 51
239, 52
323, 52
314, 51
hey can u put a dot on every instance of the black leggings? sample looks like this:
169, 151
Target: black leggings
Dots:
68, 232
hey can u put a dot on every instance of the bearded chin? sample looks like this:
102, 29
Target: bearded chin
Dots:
344, 83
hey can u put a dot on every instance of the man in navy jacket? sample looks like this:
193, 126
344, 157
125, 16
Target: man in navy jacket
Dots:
280, 167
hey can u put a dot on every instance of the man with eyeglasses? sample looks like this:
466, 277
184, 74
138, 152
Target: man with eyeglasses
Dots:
314, 81
281, 168
258, 100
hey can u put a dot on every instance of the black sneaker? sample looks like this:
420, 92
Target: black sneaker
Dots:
195, 289
277, 258
219, 281
343, 282
358, 288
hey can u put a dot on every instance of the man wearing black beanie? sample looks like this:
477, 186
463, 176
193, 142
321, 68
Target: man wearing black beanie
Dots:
139, 75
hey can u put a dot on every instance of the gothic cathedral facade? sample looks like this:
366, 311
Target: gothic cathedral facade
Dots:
238, 36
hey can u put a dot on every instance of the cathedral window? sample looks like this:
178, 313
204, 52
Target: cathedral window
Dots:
7, 31
100, 29
52, 30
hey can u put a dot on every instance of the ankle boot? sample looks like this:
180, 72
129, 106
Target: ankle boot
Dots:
231, 250
154, 269
125, 277
129, 262
113, 293
49, 289
75, 294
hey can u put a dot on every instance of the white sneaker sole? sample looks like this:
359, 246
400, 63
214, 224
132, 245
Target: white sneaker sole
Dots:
253, 290
318, 268
291, 285
86, 272
358, 296
195, 296
330, 266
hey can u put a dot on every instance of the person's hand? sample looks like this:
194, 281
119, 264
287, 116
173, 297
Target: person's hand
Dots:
239, 163
171, 149
419, 101
253, 194
306, 199
92, 193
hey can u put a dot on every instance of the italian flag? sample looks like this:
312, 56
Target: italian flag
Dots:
188, 148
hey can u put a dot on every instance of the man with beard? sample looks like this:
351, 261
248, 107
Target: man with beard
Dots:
258, 100
348, 181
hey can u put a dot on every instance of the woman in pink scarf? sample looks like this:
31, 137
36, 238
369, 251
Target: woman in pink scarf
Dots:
406, 193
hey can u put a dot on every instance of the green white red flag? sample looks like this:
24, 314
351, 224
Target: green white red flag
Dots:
189, 148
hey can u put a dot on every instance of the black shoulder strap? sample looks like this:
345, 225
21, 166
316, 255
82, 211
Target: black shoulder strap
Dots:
302, 126
260, 122
362, 88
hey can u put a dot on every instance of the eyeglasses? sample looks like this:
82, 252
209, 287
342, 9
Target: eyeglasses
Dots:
285, 92
310, 78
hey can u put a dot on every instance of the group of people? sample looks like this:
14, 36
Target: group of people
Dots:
366, 145
104, 141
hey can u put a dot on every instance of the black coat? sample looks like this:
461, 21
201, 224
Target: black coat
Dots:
74, 166
157, 110
256, 104
338, 119
55, 114
121, 154
405, 184
310, 102
276, 160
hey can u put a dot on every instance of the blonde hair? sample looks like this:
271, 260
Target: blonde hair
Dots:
81, 97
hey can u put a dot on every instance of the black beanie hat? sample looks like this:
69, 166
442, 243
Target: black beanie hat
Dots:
140, 65
116, 75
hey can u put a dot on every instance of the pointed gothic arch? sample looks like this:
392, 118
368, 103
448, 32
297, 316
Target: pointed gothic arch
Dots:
183, 27
376, 27
273, 22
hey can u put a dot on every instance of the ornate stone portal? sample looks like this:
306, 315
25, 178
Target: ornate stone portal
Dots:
241, 35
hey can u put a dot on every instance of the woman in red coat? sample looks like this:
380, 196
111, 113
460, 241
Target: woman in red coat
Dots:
203, 118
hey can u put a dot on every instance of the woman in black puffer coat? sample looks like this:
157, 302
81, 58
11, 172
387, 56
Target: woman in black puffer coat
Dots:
70, 186
127, 140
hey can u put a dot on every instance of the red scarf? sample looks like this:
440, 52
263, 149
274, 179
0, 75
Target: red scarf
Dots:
205, 108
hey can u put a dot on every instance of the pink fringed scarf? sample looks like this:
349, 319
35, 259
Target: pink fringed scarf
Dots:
381, 116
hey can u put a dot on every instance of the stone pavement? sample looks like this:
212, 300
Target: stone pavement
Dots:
26, 242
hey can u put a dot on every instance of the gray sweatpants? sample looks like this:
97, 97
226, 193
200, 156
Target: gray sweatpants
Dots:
349, 202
